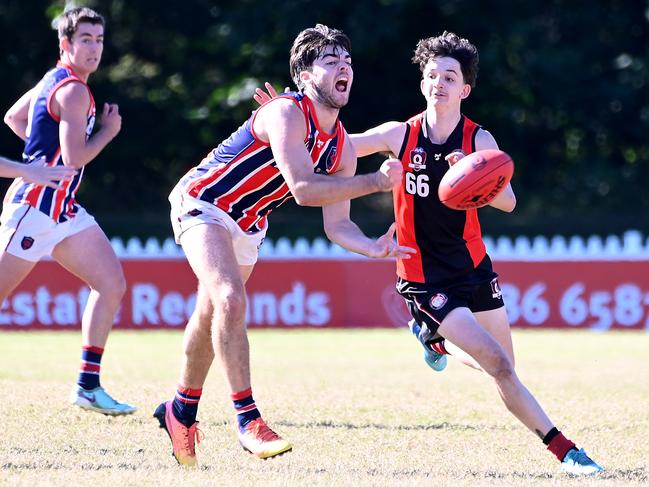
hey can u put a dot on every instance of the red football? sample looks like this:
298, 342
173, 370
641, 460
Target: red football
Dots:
476, 179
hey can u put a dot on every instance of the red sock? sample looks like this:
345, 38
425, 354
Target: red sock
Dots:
558, 444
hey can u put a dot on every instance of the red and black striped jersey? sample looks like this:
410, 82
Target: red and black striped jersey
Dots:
448, 242
241, 177
42, 146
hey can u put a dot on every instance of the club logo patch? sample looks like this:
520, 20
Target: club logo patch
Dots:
496, 292
417, 159
26, 243
331, 158
438, 301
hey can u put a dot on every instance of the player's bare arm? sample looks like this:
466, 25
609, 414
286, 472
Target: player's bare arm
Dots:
45, 176
341, 230
70, 103
386, 137
505, 201
282, 125
16, 117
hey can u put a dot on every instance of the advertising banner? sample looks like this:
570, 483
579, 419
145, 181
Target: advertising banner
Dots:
338, 293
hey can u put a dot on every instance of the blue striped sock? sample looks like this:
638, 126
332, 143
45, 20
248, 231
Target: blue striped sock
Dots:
246, 408
185, 405
90, 366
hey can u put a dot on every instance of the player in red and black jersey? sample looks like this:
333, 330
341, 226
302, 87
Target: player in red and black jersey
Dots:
449, 285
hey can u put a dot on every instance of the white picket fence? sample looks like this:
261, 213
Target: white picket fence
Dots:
632, 245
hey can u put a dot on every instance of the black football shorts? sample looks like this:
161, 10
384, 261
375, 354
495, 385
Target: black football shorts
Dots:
430, 304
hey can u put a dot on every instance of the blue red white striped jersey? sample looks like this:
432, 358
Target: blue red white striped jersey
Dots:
241, 177
448, 242
42, 146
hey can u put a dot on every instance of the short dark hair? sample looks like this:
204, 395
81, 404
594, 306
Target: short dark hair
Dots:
449, 44
309, 44
68, 22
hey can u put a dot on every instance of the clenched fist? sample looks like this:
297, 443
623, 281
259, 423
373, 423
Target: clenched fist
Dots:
390, 174
111, 120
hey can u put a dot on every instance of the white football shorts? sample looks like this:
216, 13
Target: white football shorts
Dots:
187, 212
31, 235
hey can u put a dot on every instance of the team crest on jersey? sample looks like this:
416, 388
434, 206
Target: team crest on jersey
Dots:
331, 158
26, 243
417, 159
496, 292
438, 301
438, 156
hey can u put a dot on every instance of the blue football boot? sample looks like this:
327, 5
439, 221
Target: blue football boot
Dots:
576, 462
436, 361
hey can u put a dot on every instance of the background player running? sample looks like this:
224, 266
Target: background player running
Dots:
56, 120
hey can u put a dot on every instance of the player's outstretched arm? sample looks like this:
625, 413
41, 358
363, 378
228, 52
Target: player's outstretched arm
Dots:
505, 201
45, 176
71, 103
281, 123
387, 137
17, 116
341, 230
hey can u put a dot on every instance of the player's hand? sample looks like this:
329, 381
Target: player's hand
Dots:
262, 97
111, 120
454, 156
390, 174
386, 246
51, 177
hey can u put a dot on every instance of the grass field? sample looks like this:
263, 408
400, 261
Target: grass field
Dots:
360, 407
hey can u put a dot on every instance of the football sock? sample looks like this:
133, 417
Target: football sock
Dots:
439, 347
245, 407
558, 444
185, 404
90, 365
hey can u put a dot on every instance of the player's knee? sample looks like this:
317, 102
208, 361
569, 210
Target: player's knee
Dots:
111, 285
500, 367
115, 288
232, 302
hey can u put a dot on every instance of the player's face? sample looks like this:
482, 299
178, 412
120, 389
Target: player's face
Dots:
85, 49
443, 83
330, 80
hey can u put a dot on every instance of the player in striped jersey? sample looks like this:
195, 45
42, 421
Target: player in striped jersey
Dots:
449, 285
56, 119
293, 146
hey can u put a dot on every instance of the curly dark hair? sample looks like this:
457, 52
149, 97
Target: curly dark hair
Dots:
309, 44
449, 44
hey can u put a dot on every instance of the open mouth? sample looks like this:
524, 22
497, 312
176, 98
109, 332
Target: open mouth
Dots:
341, 85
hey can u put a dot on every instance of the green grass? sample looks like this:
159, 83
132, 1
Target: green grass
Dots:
360, 407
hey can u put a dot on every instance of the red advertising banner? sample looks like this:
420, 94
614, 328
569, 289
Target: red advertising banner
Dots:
338, 293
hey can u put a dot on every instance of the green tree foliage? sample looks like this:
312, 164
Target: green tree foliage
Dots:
562, 86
